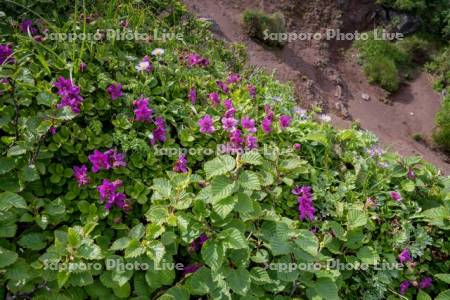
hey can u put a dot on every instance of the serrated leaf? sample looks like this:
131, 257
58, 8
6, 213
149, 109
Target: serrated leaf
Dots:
223, 207
134, 249
162, 187
90, 251
445, 295
326, 289
308, 242
252, 158
249, 181
6, 165
238, 280
7, 257
9, 199
443, 277
212, 254
120, 244
34, 241
423, 296
356, 218
233, 238
368, 255
219, 166
222, 187
260, 276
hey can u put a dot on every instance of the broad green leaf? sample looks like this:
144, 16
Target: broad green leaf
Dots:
308, 242
356, 218
90, 251
123, 292
213, 254
222, 187
219, 166
326, 289
6, 165
233, 238
9, 199
423, 296
7, 257
238, 280
443, 277
252, 158
120, 244
249, 180
163, 187
34, 241
223, 207
445, 295
368, 255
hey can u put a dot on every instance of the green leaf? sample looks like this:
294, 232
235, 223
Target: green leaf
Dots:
223, 207
260, 276
90, 251
249, 180
9, 199
212, 254
29, 173
62, 278
123, 292
252, 158
120, 244
222, 187
157, 214
16, 150
423, 296
6, 165
7, 257
326, 289
443, 277
356, 218
73, 237
233, 238
162, 187
219, 166
34, 241
134, 249
239, 280
445, 295
176, 293
308, 242
368, 255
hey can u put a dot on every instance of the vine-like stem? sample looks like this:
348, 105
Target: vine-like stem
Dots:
16, 109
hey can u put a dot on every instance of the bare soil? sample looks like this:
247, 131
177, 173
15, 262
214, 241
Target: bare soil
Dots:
326, 73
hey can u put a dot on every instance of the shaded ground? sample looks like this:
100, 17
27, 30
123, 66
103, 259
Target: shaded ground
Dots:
325, 74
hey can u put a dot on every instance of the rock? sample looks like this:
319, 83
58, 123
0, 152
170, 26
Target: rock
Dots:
214, 26
406, 24
338, 92
365, 96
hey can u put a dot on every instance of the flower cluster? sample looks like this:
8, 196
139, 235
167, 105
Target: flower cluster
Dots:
181, 164
159, 133
144, 65
115, 91
107, 160
193, 60
6, 54
108, 192
70, 94
81, 175
305, 205
424, 283
192, 95
405, 256
142, 112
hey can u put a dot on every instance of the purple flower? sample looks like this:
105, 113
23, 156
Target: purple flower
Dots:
100, 161
69, 93
108, 192
124, 23
297, 146
268, 111
145, 65
142, 113
181, 164
214, 98
236, 138
425, 283
52, 130
248, 124
396, 196
6, 56
116, 159
82, 67
81, 175
197, 244
266, 125
192, 268
369, 202
192, 95
115, 91
233, 78
222, 86
251, 142
251, 90
305, 206
411, 175
405, 256
159, 133
27, 27
193, 60
285, 121
206, 124
404, 286
230, 110
229, 124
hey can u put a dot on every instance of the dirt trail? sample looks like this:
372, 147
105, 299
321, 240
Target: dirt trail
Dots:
324, 75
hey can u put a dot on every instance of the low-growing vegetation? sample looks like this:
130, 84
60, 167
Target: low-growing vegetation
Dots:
265, 27
163, 169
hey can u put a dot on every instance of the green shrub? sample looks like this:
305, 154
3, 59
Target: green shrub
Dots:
440, 67
442, 134
261, 26
231, 220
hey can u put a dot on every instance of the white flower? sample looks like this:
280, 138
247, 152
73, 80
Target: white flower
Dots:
325, 118
303, 113
143, 66
158, 52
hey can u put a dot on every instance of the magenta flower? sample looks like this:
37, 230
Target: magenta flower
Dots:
248, 124
115, 91
145, 65
206, 124
411, 175
396, 196
181, 164
222, 86
269, 112
425, 283
404, 286
251, 142
99, 160
266, 125
305, 206
193, 60
285, 121
26, 26
81, 175
233, 78
214, 98
108, 192
297, 146
116, 159
6, 54
230, 110
192, 95
124, 23
229, 124
142, 112
159, 133
251, 90
70, 94
197, 244
236, 138
192, 268
52, 130
405, 256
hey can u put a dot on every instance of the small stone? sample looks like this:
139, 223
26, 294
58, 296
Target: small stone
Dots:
365, 96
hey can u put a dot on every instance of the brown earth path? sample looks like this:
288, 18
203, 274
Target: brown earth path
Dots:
414, 106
